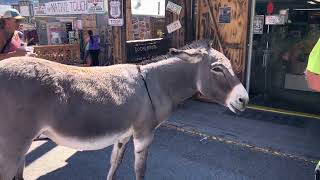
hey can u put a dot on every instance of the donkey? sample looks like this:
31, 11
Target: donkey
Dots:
89, 108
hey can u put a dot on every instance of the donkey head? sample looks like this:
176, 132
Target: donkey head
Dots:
215, 78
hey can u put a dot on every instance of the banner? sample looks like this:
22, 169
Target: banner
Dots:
69, 7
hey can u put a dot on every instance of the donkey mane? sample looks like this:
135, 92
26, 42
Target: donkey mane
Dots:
193, 45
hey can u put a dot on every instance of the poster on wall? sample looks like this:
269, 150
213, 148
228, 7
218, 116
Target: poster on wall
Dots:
258, 24
54, 33
115, 12
224, 15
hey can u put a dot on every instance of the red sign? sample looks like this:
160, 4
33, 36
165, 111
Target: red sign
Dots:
270, 7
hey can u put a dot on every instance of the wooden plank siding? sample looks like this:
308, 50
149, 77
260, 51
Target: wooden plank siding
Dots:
229, 38
184, 35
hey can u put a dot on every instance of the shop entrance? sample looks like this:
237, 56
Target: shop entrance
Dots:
282, 42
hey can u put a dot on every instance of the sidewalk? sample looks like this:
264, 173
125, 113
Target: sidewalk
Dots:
280, 134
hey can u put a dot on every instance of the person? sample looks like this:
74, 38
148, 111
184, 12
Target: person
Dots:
313, 79
10, 42
93, 46
31, 42
313, 68
317, 172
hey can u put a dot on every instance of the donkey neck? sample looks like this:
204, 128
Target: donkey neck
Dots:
170, 82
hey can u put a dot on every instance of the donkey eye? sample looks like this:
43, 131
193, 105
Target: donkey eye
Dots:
217, 69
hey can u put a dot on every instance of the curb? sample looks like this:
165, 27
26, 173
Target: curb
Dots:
195, 132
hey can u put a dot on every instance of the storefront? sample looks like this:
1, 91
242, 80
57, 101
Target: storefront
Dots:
59, 22
66, 22
284, 33
150, 28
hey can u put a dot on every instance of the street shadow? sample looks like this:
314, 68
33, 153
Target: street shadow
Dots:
93, 165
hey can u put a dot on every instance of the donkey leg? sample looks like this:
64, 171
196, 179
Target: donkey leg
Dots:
14, 144
19, 174
141, 145
12, 163
116, 156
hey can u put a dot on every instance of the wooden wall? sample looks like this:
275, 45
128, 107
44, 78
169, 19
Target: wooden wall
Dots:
230, 38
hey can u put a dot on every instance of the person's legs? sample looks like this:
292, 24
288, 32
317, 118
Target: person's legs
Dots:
95, 57
317, 172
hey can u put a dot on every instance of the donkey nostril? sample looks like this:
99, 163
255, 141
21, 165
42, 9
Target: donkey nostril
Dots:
243, 101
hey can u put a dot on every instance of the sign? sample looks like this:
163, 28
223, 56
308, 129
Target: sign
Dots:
40, 9
79, 25
175, 8
275, 20
95, 6
140, 50
115, 13
174, 26
258, 24
69, 7
224, 15
148, 7
24, 11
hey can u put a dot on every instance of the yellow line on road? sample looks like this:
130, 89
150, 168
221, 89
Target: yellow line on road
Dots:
282, 111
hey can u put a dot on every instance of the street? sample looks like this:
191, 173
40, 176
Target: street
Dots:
174, 155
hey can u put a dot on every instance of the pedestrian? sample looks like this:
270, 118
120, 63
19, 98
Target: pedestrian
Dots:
10, 42
93, 48
317, 172
313, 79
313, 68
87, 58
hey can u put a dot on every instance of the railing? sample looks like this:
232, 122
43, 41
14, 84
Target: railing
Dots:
65, 54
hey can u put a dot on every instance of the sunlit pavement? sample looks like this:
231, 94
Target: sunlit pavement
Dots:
174, 155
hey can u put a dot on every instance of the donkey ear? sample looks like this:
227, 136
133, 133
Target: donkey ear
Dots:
189, 55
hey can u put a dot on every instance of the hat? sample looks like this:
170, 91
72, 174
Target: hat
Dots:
12, 13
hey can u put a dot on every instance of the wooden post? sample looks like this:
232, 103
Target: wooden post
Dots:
119, 38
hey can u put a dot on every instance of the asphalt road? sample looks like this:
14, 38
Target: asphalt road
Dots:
173, 155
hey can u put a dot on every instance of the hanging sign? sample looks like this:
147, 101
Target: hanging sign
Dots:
174, 26
175, 8
115, 13
258, 24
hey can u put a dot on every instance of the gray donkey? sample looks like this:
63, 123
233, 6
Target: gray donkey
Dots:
89, 108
